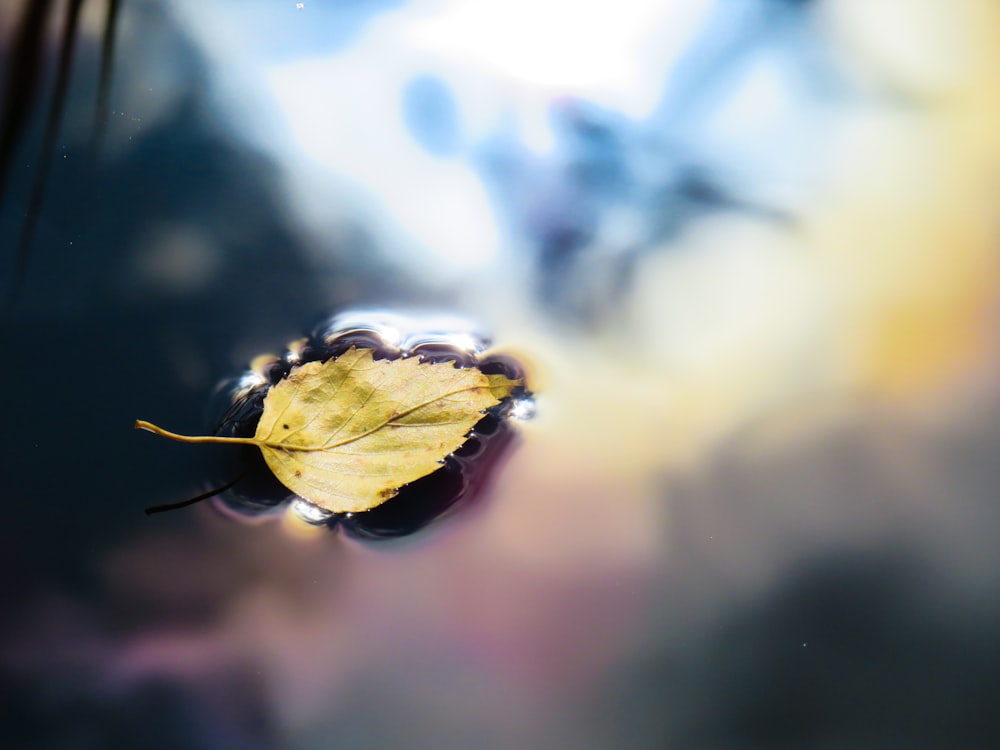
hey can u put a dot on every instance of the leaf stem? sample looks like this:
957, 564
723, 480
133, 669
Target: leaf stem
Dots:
141, 424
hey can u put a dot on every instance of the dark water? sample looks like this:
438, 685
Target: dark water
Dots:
586, 589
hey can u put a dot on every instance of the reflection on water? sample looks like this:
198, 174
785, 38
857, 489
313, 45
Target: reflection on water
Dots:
389, 336
745, 249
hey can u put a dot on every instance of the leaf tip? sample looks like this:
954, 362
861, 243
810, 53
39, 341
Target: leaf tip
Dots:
501, 386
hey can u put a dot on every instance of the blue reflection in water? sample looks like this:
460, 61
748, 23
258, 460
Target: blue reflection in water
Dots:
430, 113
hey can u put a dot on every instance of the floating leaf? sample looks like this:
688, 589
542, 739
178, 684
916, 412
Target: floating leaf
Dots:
347, 433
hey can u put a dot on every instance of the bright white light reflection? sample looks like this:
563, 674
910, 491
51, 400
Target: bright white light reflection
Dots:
343, 110
433, 206
248, 381
463, 342
382, 323
311, 514
523, 409
613, 53
406, 331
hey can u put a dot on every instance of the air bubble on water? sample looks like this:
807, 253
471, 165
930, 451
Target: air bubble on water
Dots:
462, 341
522, 409
248, 381
293, 355
311, 514
363, 321
409, 331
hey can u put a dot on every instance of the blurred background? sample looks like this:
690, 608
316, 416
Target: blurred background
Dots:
747, 250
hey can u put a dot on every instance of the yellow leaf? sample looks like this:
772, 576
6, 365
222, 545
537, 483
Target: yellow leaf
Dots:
347, 433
